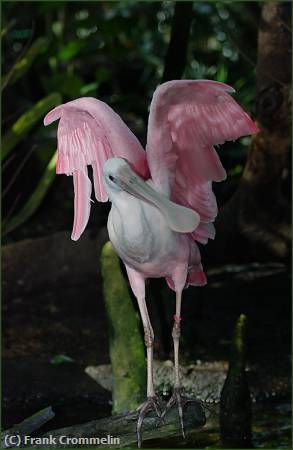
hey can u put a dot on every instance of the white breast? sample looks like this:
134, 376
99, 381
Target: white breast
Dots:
138, 230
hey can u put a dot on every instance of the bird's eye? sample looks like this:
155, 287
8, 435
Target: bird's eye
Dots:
111, 178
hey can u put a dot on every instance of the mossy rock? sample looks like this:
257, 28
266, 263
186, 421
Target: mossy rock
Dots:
127, 352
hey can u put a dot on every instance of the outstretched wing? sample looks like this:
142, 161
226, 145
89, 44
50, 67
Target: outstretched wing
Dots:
89, 133
187, 118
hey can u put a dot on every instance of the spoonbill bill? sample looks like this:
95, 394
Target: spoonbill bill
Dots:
162, 198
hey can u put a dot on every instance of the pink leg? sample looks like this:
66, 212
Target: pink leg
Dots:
137, 284
176, 336
177, 397
149, 342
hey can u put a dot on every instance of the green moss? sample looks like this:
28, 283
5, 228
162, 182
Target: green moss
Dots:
238, 349
127, 350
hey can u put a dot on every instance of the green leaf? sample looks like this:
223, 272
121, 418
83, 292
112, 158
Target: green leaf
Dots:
236, 171
5, 29
35, 199
26, 122
222, 73
90, 88
70, 50
23, 65
60, 359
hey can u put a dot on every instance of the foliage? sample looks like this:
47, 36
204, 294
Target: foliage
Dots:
24, 63
26, 122
114, 51
35, 198
56, 360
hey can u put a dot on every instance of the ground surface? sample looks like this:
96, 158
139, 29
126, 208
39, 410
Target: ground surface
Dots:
59, 309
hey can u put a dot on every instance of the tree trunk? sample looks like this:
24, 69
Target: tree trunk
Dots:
255, 223
175, 60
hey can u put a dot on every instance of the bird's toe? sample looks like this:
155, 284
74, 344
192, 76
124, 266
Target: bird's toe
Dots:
151, 403
179, 399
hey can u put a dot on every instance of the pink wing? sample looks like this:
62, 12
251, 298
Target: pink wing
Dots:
89, 133
187, 118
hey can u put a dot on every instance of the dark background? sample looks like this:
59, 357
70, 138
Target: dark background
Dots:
116, 52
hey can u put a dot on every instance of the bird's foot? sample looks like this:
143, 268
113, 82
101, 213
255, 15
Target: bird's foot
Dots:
151, 403
181, 401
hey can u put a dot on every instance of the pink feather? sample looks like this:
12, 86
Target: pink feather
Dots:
82, 202
187, 119
89, 133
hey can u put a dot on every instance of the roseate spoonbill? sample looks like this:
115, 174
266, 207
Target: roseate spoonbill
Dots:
162, 199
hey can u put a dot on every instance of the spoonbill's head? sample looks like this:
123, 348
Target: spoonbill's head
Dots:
119, 176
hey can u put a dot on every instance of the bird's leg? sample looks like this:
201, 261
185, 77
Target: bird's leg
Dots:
152, 401
149, 342
176, 337
177, 396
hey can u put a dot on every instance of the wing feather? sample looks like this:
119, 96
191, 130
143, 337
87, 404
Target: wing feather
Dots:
82, 204
187, 119
89, 133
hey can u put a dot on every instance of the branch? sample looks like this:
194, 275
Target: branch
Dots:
35, 199
123, 426
28, 425
27, 121
24, 61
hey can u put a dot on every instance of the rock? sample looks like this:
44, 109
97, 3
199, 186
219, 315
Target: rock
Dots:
204, 380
